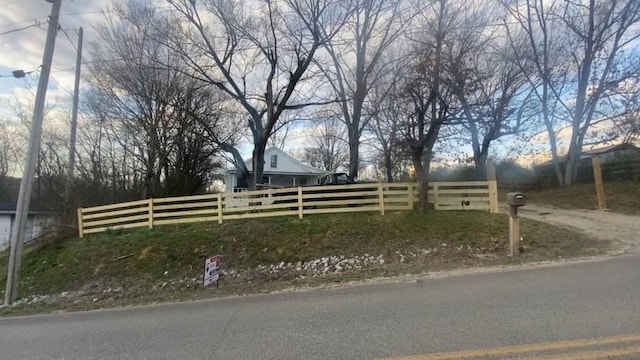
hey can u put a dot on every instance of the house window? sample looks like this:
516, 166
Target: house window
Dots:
274, 161
303, 181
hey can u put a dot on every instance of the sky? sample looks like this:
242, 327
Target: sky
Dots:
23, 49
23, 25
22, 43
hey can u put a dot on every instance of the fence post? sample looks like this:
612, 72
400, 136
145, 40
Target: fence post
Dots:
410, 193
597, 177
435, 196
491, 169
80, 224
493, 196
300, 205
219, 208
150, 213
381, 198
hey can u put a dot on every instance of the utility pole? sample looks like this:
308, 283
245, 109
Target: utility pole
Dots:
74, 120
26, 184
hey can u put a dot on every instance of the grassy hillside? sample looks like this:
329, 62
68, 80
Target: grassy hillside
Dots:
132, 266
621, 196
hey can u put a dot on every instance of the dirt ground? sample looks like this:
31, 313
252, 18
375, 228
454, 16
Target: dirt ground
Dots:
599, 224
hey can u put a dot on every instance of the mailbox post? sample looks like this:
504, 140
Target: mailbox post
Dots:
515, 200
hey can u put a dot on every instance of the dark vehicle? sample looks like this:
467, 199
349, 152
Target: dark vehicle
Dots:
319, 195
336, 179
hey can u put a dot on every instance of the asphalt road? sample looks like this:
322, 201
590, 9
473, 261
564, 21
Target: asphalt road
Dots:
578, 301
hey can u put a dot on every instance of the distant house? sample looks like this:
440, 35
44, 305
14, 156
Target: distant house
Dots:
280, 170
620, 152
37, 224
619, 162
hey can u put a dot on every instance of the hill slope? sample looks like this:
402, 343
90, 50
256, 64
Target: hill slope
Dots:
166, 263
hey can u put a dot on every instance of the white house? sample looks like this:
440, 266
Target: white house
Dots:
37, 224
280, 170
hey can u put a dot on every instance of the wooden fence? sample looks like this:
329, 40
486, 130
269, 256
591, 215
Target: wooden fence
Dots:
299, 201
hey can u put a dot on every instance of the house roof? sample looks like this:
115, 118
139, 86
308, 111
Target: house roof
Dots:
7, 207
587, 154
611, 148
10, 209
295, 166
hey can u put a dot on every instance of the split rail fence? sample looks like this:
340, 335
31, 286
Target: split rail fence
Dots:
297, 201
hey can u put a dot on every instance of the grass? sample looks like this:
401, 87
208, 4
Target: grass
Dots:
621, 196
165, 263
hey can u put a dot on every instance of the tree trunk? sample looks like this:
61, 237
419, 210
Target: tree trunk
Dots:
421, 163
354, 153
388, 166
480, 160
573, 160
551, 133
238, 162
258, 162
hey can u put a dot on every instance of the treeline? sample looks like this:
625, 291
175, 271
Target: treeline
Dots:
174, 90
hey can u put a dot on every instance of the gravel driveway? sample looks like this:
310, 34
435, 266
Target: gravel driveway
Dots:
604, 225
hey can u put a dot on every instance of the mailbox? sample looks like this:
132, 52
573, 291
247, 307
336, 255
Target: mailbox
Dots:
515, 200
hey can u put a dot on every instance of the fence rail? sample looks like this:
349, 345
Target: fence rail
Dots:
298, 201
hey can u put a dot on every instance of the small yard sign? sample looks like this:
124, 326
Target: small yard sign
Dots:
212, 270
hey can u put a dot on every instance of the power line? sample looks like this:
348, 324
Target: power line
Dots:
20, 29
86, 12
23, 21
64, 31
46, 16
102, 11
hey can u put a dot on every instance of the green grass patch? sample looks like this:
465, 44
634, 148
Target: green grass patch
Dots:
621, 196
142, 261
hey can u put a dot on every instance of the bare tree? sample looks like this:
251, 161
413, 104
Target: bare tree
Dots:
280, 135
386, 121
5, 150
257, 53
329, 149
427, 100
489, 87
582, 66
605, 29
155, 111
7, 159
357, 62
51, 158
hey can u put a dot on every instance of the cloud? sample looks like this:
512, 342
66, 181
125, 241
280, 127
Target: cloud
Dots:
24, 49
